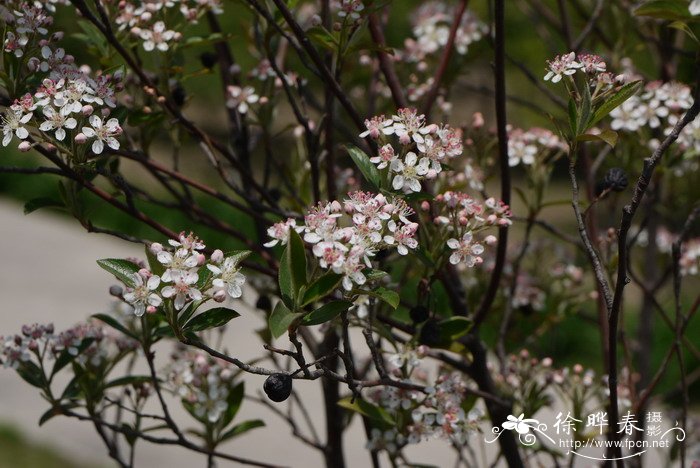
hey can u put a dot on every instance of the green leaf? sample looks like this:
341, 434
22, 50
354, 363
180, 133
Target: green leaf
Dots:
372, 274
122, 269
369, 170
573, 117
664, 9
234, 401
326, 312
606, 136
376, 414
321, 287
242, 428
322, 37
212, 318
683, 26
584, 113
454, 327
55, 411
127, 380
41, 202
390, 297
114, 323
280, 319
31, 373
292, 272
625, 92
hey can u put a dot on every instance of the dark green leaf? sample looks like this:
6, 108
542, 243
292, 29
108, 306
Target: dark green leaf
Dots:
369, 170
606, 136
41, 202
292, 272
114, 323
211, 318
31, 373
376, 414
320, 288
122, 269
454, 327
280, 319
625, 92
372, 274
664, 9
390, 297
326, 313
584, 113
242, 428
235, 398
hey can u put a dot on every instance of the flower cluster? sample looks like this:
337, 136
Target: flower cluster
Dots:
423, 148
533, 145
345, 237
203, 383
184, 279
463, 217
146, 20
431, 29
659, 106
70, 106
88, 343
438, 413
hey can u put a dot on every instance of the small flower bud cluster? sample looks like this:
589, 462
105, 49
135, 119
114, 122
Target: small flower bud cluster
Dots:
464, 217
593, 66
434, 145
345, 237
185, 278
203, 383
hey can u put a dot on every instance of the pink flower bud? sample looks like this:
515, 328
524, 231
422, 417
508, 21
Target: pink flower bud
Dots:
425, 206
80, 138
105, 111
201, 259
57, 36
219, 296
145, 273
156, 248
404, 139
431, 174
87, 109
24, 146
432, 128
490, 240
316, 20
217, 256
477, 120
151, 309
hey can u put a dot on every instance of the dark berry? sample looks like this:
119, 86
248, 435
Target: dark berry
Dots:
264, 302
430, 333
419, 314
116, 291
278, 387
208, 59
179, 95
615, 180
275, 194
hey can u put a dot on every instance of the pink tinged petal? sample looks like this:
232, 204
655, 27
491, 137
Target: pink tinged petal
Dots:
455, 258
196, 294
164, 257
113, 143
154, 300
89, 132
168, 291
414, 185
95, 121
214, 269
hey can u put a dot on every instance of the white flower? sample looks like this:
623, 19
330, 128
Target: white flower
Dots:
280, 232
519, 151
409, 173
182, 288
562, 65
13, 123
103, 133
628, 116
465, 250
229, 278
57, 121
157, 38
143, 295
694, 7
240, 98
385, 158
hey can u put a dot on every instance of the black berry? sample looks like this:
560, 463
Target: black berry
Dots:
208, 59
179, 95
615, 180
430, 333
419, 314
278, 387
264, 303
